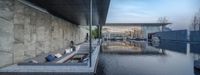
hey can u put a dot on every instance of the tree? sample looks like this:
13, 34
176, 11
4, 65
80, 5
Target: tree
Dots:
196, 22
162, 20
199, 19
95, 33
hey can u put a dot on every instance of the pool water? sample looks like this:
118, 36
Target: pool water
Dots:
142, 58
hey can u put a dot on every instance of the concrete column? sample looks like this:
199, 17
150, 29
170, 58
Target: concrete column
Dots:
90, 31
188, 49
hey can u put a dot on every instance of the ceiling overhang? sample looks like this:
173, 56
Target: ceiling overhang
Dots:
76, 11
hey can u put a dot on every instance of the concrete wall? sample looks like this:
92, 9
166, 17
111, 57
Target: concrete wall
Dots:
195, 36
176, 35
26, 32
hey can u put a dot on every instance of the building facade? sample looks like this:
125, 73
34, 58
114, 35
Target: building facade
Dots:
131, 30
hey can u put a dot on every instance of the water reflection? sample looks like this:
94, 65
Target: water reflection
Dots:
177, 46
165, 58
131, 47
195, 52
195, 48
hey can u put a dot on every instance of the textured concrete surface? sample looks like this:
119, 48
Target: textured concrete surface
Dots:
26, 32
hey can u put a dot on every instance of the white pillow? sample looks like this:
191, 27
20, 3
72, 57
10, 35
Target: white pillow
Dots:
67, 51
58, 55
71, 49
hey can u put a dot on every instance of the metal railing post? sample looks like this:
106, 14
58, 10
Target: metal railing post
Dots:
90, 30
99, 32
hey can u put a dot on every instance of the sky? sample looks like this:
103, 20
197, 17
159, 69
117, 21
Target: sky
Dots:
178, 12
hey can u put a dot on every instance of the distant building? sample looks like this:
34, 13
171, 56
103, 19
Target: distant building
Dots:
132, 30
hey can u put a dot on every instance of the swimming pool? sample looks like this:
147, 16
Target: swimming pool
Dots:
142, 58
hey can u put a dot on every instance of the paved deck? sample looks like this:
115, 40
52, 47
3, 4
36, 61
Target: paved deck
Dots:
56, 69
